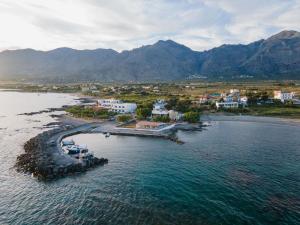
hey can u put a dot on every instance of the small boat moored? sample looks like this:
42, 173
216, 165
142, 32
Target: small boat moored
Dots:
68, 142
76, 151
72, 150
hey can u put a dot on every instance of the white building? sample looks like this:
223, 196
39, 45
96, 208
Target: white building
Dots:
230, 101
174, 115
283, 96
108, 103
87, 88
159, 108
228, 98
117, 106
227, 105
234, 91
244, 101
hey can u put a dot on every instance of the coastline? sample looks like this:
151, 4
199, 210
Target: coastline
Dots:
44, 158
249, 118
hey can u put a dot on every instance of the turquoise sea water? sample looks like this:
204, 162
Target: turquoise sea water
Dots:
230, 173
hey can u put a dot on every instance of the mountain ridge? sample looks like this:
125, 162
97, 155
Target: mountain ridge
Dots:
277, 57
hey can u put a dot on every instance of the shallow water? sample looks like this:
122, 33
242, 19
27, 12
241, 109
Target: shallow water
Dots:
230, 173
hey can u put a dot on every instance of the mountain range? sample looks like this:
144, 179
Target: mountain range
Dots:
277, 57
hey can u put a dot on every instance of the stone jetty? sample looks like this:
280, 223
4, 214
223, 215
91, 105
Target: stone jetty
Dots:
44, 158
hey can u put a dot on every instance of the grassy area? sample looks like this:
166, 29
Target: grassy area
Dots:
89, 113
276, 111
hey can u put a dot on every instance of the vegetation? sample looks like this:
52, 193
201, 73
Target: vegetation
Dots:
163, 119
254, 97
191, 117
124, 118
275, 110
84, 112
143, 112
180, 96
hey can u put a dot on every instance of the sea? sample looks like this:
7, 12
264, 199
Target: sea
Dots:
230, 173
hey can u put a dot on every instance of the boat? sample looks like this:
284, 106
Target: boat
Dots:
76, 151
72, 150
83, 149
68, 142
206, 124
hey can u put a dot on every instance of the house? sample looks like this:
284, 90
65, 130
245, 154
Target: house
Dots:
174, 115
296, 102
149, 125
227, 105
283, 96
230, 101
228, 98
85, 89
117, 106
203, 99
108, 103
159, 108
214, 96
244, 101
234, 91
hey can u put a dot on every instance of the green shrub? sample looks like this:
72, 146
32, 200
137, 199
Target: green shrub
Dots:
163, 119
191, 117
143, 113
82, 112
124, 118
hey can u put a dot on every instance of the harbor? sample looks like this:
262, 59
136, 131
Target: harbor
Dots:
50, 156
45, 159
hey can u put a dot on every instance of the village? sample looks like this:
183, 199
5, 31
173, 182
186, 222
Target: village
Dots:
178, 102
159, 114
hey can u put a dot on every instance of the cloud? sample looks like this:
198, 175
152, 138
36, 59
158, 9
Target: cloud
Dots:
126, 24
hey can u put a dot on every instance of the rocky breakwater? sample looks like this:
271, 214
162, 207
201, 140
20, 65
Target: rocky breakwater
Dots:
44, 159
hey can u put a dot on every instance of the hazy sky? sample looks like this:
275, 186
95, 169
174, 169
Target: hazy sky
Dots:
126, 24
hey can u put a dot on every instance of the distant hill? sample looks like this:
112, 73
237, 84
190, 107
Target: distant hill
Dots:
277, 57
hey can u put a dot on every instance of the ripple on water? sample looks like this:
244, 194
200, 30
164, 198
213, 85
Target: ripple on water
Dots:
227, 174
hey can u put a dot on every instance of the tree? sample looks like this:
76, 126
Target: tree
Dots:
191, 117
171, 103
264, 96
252, 98
164, 119
183, 105
143, 113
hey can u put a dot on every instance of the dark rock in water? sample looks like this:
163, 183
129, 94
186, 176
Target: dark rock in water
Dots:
56, 116
243, 177
52, 124
46, 161
279, 204
43, 111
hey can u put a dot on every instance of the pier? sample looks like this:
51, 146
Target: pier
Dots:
45, 159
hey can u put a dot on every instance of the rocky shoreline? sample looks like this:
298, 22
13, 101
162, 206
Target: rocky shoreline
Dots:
45, 161
44, 158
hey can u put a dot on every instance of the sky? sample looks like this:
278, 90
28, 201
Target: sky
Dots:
128, 24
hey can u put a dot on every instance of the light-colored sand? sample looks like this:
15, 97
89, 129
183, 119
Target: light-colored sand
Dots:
242, 118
